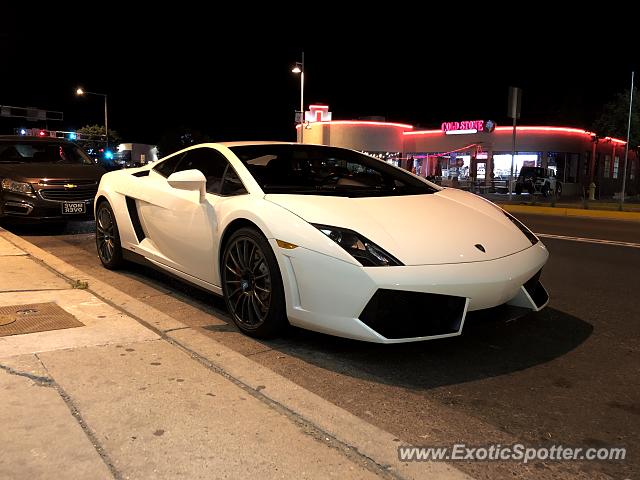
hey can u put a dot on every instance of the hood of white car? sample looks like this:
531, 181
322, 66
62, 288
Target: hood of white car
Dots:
439, 228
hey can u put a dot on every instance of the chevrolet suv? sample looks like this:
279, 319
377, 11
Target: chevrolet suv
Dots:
46, 179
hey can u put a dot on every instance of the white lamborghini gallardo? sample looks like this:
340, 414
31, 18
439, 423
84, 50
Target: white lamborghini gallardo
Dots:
319, 237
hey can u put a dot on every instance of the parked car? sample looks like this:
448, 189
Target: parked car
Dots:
46, 179
320, 237
538, 180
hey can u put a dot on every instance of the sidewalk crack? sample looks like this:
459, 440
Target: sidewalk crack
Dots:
91, 435
38, 380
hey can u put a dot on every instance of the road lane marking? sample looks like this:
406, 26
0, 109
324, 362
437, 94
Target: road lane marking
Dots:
589, 240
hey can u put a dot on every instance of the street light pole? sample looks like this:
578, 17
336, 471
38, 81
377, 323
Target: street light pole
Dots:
106, 123
302, 101
299, 68
80, 91
626, 150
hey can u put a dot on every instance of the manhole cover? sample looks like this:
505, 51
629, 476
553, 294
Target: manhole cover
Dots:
36, 317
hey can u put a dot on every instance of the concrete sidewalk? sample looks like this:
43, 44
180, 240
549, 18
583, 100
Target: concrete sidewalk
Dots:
131, 393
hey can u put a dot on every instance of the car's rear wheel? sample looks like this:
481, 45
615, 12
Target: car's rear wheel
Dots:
252, 284
108, 237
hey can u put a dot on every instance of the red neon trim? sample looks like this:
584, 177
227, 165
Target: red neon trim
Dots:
546, 129
363, 123
525, 129
424, 132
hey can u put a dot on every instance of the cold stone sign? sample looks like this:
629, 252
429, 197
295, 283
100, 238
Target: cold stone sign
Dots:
468, 126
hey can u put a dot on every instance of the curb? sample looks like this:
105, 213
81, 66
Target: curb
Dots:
572, 212
368, 441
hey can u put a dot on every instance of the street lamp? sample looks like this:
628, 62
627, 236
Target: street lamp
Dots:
80, 92
299, 69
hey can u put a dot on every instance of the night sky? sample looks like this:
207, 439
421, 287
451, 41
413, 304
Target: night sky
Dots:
232, 80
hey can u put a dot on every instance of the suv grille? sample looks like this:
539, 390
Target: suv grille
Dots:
69, 194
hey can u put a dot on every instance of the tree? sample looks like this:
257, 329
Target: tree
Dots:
614, 118
96, 135
178, 138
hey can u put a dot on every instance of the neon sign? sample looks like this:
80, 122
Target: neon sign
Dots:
468, 126
457, 128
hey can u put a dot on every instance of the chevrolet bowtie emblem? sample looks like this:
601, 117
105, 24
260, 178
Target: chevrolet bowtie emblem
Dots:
70, 185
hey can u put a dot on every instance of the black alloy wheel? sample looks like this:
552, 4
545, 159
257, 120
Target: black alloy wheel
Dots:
252, 284
108, 237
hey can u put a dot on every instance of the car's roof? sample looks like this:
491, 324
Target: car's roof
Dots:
24, 138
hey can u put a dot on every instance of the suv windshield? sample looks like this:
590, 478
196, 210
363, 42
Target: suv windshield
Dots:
317, 170
42, 152
533, 172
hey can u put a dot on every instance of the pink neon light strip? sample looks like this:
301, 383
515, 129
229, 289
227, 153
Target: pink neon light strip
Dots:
524, 129
423, 132
362, 122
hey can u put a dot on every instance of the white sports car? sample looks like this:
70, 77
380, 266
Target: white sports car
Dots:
319, 237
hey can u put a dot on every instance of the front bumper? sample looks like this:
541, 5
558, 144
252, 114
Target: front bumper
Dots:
334, 297
32, 208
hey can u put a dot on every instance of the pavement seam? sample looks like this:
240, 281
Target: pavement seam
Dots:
165, 331
90, 434
37, 379
35, 290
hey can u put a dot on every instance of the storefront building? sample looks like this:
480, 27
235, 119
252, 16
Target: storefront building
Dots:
477, 151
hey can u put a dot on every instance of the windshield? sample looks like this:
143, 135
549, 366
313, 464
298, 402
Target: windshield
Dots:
42, 152
533, 171
317, 170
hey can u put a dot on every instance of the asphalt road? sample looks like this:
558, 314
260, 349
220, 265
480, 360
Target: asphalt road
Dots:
568, 375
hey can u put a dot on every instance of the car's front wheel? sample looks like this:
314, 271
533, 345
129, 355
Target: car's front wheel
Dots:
108, 237
252, 284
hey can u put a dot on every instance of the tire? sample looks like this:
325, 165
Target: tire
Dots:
252, 284
531, 189
108, 237
518, 189
558, 190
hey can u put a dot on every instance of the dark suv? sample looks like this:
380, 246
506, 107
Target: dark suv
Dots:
46, 179
538, 180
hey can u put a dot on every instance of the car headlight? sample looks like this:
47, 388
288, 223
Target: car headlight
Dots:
527, 233
365, 251
17, 187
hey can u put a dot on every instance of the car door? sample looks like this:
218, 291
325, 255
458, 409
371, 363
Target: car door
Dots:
184, 231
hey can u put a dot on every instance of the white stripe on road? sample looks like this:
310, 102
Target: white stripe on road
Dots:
589, 240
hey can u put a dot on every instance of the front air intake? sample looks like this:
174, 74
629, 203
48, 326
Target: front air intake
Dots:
536, 291
403, 314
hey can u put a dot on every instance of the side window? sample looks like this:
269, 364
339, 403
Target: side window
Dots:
210, 162
167, 167
232, 185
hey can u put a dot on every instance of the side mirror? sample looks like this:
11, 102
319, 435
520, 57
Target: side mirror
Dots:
189, 180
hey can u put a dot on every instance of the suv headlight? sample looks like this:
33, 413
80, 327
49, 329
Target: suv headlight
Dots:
365, 251
17, 187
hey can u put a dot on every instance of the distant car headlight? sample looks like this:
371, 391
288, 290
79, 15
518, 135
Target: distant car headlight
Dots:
365, 251
17, 187
527, 233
